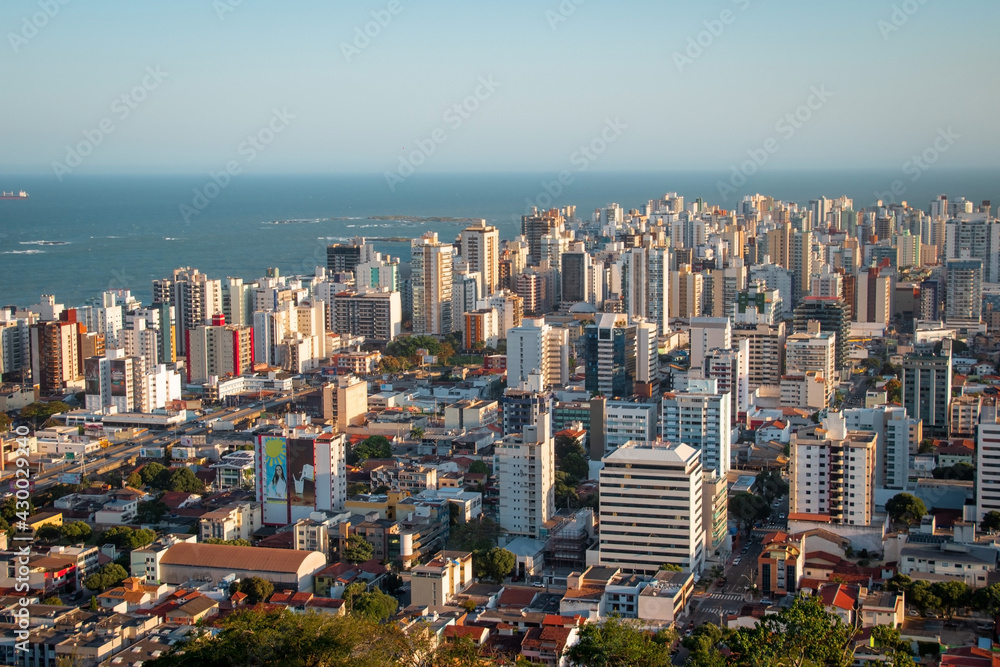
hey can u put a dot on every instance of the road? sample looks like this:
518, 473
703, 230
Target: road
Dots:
121, 452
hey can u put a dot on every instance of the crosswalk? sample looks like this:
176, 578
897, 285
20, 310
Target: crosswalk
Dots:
725, 596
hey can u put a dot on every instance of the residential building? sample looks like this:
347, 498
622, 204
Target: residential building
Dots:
431, 267
537, 347
479, 246
831, 313
766, 354
927, 388
436, 582
218, 350
700, 417
813, 350
525, 469
988, 461
376, 314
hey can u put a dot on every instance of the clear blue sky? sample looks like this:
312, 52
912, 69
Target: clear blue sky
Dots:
892, 91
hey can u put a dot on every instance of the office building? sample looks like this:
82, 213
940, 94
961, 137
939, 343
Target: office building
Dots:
610, 355
651, 507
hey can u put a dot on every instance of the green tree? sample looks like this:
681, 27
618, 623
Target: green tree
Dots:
565, 445
952, 594
357, 549
987, 599
991, 522
920, 596
961, 471
134, 480
93, 603
565, 490
108, 576
671, 567
5, 422
702, 642
352, 592
905, 508
392, 583
494, 565
376, 606
232, 543
54, 600
748, 508
889, 640
617, 643
373, 447
479, 468
48, 533
894, 391
124, 537
416, 433
356, 488
255, 588
152, 511
771, 485
480, 535
184, 479
151, 473
39, 412
576, 466
76, 531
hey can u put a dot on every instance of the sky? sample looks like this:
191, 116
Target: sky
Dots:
191, 86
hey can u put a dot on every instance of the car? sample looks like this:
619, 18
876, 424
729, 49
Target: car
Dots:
781, 516
912, 612
765, 600
986, 627
931, 614
538, 584
737, 561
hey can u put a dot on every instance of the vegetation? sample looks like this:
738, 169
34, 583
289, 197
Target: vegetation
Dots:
905, 508
54, 600
748, 508
124, 537
373, 447
479, 468
76, 531
991, 522
160, 477
152, 511
375, 606
256, 589
671, 567
108, 576
493, 565
39, 412
481, 535
617, 642
357, 549
961, 471
232, 543
5, 422
772, 486
406, 347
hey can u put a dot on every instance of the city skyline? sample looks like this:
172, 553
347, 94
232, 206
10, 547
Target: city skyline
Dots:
522, 87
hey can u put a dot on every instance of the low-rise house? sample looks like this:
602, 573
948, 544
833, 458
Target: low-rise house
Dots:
441, 578
131, 595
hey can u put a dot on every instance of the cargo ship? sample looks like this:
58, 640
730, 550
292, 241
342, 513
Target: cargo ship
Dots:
11, 195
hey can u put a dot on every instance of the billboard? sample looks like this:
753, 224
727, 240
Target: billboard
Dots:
301, 472
275, 470
92, 375
118, 375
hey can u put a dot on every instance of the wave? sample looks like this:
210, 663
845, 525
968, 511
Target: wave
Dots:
43, 242
171, 238
22, 252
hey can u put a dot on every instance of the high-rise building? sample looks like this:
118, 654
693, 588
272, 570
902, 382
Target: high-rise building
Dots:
345, 402
341, 258
708, 333
626, 420
576, 284
873, 296
652, 507
431, 265
522, 407
479, 246
218, 350
375, 314
700, 417
975, 237
610, 355
300, 472
195, 299
56, 363
800, 256
766, 353
812, 350
833, 474
237, 301
537, 347
15, 347
481, 327
757, 305
525, 466
831, 314
964, 291
896, 436
988, 461
927, 388
534, 227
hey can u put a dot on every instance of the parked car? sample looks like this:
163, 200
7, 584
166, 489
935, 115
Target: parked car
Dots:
765, 600
737, 561
538, 584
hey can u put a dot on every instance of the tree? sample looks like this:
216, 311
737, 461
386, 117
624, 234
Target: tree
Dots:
39, 412
416, 433
748, 508
76, 531
961, 471
356, 488
376, 606
93, 603
894, 391
357, 549
373, 447
54, 600
494, 564
566, 445
393, 583
565, 490
617, 642
151, 473
987, 599
671, 567
889, 640
184, 479
952, 594
124, 537
771, 485
702, 642
5, 422
108, 576
479, 468
576, 466
920, 596
905, 508
991, 522
255, 588
352, 592
478, 535
233, 543
48, 533
152, 511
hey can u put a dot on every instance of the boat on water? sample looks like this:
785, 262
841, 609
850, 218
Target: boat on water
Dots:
14, 195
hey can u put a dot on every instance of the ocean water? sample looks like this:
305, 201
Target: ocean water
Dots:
86, 234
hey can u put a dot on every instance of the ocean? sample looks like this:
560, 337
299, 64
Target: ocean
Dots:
88, 233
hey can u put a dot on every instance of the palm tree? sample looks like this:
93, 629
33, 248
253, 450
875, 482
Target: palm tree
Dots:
416, 433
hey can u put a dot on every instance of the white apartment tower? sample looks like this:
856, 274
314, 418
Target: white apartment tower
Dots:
525, 465
431, 265
700, 417
537, 346
988, 461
